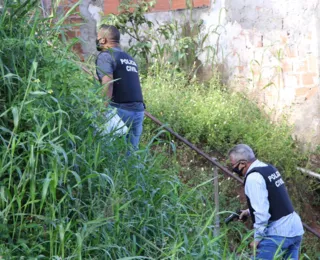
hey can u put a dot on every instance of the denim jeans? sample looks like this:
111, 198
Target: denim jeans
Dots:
133, 120
267, 248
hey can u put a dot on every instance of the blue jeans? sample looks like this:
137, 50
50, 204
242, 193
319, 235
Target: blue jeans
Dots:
134, 121
289, 248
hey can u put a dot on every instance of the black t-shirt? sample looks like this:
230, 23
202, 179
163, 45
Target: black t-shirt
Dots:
107, 65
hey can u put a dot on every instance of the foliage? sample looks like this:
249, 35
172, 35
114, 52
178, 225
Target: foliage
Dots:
179, 44
69, 192
213, 118
131, 20
209, 114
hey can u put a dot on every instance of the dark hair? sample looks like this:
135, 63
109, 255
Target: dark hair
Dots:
110, 32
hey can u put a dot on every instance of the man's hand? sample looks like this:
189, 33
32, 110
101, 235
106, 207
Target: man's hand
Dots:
254, 244
244, 214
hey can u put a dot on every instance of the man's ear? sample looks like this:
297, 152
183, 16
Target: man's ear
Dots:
103, 40
245, 164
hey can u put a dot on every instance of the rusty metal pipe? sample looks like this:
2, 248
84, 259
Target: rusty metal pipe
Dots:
203, 154
213, 160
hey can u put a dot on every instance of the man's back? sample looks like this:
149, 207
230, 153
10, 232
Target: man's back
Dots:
286, 225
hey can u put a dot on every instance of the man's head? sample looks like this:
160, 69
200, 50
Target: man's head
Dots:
108, 36
241, 157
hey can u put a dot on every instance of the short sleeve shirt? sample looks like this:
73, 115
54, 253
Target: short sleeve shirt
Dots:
106, 65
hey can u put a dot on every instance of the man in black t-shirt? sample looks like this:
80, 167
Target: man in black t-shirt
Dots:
118, 73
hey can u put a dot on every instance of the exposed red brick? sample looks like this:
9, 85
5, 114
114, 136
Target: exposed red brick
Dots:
78, 50
64, 2
301, 91
259, 44
111, 6
307, 78
75, 20
284, 39
312, 92
78, 33
162, 5
200, 3
178, 4
240, 69
71, 34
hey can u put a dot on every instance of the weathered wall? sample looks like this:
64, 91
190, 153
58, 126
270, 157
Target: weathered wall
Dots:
266, 48
91, 10
87, 16
271, 51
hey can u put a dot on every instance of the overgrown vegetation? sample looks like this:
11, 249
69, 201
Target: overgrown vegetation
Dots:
206, 112
69, 192
211, 115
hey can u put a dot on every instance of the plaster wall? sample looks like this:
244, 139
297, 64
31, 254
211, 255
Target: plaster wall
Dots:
271, 52
266, 48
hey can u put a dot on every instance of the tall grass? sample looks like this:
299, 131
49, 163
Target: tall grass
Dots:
210, 114
69, 192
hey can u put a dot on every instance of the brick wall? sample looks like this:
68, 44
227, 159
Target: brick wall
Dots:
111, 6
270, 53
72, 31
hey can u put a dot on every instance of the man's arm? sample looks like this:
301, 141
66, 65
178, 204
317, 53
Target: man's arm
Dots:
257, 192
107, 83
105, 67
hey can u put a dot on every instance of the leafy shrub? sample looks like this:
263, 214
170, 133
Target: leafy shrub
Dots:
210, 114
67, 191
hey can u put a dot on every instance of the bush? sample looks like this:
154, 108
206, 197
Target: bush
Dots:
67, 191
210, 115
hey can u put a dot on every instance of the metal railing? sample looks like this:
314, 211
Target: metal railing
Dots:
215, 163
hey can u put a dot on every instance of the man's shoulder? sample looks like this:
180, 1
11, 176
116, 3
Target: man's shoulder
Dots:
254, 177
105, 56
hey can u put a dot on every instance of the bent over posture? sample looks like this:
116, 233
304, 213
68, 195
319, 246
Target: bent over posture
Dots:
275, 222
118, 73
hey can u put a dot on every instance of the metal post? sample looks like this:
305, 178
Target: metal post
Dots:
216, 201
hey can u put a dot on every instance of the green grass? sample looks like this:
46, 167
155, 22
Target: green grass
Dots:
211, 115
67, 191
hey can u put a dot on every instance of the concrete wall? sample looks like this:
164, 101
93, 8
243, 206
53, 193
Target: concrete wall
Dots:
268, 49
88, 14
271, 52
